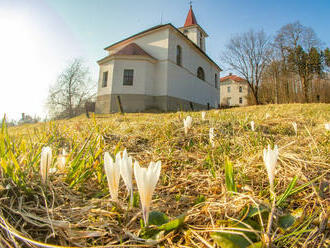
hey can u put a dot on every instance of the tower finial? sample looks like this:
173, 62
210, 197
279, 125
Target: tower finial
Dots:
190, 3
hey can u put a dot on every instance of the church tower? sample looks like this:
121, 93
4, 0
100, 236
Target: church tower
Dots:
193, 31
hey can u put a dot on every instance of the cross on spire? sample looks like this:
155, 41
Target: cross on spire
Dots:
190, 3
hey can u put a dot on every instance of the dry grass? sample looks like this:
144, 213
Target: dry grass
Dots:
75, 210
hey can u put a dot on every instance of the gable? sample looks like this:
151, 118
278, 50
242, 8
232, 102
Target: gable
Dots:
114, 47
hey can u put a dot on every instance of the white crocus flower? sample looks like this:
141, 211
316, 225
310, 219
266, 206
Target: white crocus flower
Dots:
112, 171
126, 171
252, 125
295, 127
270, 159
203, 115
62, 160
187, 123
327, 126
146, 180
45, 162
267, 115
211, 136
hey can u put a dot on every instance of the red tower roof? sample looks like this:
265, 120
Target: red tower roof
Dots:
191, 19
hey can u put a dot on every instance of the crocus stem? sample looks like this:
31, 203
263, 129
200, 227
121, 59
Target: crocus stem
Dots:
270, 220
146, 216
131, 199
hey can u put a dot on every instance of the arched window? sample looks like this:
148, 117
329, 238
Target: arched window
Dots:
178, 55
216, 80
200, 73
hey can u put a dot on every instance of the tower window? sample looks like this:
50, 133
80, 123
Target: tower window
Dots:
200, 73
128, 77
178, 55
105, 79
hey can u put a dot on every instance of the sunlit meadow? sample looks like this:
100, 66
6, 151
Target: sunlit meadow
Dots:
213, 189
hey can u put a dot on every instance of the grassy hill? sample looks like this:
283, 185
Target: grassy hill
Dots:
75, 209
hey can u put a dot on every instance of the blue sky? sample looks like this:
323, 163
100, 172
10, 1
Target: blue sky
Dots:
42, 36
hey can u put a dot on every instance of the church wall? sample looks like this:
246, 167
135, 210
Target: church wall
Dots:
140, 78
189, 86
103, 93
155, 43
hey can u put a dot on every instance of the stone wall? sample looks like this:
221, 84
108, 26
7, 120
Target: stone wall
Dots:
132, 103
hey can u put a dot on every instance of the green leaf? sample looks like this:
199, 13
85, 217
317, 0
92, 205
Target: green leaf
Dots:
287, 192
229, 240
173, 224
286, 221
157, 218
256, 245
253, 211
229, 173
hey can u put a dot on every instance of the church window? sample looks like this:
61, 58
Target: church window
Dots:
216, 81
178, 55
105, 79
200, 73
128, 77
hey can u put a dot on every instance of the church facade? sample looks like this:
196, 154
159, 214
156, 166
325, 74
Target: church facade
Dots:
164, 68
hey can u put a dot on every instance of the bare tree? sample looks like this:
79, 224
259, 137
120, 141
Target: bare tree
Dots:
292, 35
248, 54
298, 46
70, 92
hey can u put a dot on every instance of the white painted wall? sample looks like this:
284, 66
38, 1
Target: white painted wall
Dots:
164, 77
183, 81
103, 68
234, 93
142, 79
155, 43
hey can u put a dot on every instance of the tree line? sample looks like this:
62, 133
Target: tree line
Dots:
289, 67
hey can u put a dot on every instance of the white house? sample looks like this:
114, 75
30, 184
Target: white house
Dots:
234, 91
163, 68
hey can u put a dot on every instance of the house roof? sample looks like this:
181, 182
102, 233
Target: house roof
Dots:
191, 19
159, 27
133, 49
232, 77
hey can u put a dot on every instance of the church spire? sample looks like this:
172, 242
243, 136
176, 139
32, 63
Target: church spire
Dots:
191, 19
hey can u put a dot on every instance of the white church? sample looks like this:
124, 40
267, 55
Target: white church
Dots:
162, 68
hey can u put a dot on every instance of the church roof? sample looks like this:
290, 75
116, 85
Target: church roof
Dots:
232, 77
159, 27
133, 49
191, 19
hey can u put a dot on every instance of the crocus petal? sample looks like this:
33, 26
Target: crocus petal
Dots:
146, 180
45, 162
270, 158
126, 171
252, 125
112, 171
203, 115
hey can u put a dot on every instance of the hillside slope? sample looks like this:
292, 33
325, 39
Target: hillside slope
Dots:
75, 209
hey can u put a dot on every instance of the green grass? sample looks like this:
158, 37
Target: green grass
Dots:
75, 208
